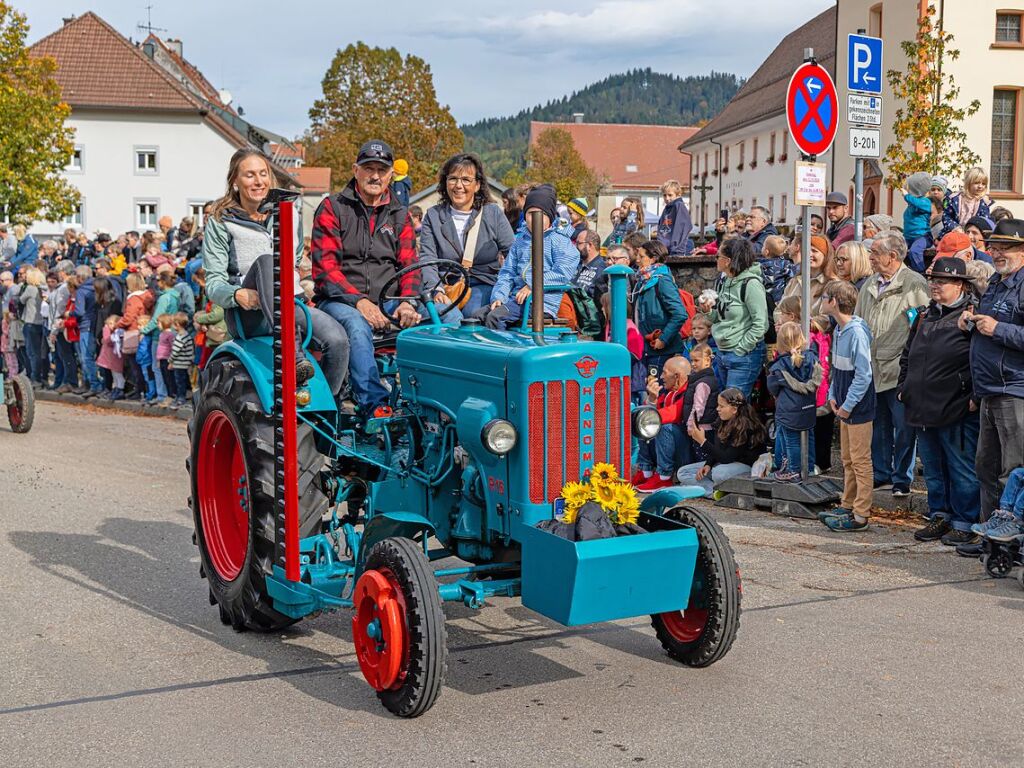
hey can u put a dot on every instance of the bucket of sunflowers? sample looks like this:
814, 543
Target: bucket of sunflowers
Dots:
603, 506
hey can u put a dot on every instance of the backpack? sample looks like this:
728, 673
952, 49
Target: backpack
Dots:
589, 321
691, 310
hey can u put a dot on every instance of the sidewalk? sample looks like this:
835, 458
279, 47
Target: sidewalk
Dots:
127, 406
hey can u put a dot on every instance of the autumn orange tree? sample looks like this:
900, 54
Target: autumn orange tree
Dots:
554, 159
375, 93
35, 143
927, 123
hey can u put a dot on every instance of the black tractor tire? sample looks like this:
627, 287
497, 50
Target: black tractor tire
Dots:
427, 661
24, 412
716, 568
225, 389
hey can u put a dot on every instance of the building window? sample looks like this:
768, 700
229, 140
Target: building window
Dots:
1004, 140
753, 202
753, 156
74, 219
743, 153
146, 161
76, 163
725, 165
771, 207
782, 208
706, 166
146, 213
1008, 27
875, 20
195, 210
784, 149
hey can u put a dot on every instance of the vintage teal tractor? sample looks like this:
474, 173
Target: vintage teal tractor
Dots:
20, 401
300, 507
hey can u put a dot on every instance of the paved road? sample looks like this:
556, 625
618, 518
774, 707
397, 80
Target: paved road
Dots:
866, 651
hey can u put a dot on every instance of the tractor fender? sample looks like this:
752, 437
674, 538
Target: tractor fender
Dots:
384, 525
257, 355
666, 498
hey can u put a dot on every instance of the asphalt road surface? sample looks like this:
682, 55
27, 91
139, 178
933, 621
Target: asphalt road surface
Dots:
863, 650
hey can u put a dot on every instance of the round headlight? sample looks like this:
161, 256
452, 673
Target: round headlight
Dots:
499, 436
646, 422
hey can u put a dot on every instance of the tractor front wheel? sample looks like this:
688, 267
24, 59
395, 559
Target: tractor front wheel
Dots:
21, 403
398, 627
232, 472
704, 632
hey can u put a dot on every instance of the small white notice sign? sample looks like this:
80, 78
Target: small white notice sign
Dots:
811, 183
862, 109
865, 142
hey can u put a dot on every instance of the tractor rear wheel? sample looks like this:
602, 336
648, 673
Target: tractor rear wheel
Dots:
398, 627
231, 465
704, 632
21, 403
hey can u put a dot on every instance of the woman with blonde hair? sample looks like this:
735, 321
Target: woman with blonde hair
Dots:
969, 202
852, 263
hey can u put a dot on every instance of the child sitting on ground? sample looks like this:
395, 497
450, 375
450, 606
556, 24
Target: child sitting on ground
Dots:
793, 380
164, 346
110, 357
183, 352
1007, 522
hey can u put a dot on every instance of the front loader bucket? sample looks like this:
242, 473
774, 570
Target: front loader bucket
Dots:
584, 582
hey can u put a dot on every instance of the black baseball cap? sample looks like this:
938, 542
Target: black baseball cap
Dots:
376, 151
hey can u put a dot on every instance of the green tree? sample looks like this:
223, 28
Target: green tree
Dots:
927, 123
35, 143
554, 159
375, 93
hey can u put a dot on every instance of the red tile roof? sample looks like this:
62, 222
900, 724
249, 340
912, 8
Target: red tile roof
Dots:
628, 156
764, 94
98, 67
312, 179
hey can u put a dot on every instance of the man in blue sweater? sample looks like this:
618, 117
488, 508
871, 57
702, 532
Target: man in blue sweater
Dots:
851, 395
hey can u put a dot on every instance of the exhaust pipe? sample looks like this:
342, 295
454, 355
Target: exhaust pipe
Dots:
537, 265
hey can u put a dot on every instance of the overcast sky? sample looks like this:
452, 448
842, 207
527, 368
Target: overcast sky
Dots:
488, 59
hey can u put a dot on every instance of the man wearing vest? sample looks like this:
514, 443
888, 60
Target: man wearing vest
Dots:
361, 237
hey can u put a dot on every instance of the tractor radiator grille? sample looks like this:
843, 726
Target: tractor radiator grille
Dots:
572, 426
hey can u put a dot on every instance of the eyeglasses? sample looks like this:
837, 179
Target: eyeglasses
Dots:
465, 181
842, 259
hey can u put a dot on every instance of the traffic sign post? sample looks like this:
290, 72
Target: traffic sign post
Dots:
863, 108
864, 64
864, 142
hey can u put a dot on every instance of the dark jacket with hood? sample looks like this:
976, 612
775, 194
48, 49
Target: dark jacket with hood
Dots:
707, 376
795, 389
935, 384
674, 227
997, 361
356, 249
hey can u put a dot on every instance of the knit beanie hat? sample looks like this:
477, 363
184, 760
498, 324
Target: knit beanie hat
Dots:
401, 167
919, 183
941, 182
880, 221
820, 243
542, 197
983, 223
580, 205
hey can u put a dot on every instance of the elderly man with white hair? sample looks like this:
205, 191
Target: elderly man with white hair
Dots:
889, 302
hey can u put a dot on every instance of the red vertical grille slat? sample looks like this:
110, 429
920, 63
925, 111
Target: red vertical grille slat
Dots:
535, 411
572, 432
615, 423
601, 420
556, 443
627, 431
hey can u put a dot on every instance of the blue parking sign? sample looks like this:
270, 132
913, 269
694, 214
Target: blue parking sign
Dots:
864, 64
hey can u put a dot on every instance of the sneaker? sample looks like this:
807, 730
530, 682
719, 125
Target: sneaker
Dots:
882, 485
64, 389
1008, 531
973, 549
835, 512
165, 403
845, 524
955, 538
937, 528
638, 478
304, 371
176, 404
382, 411
783, 476
999, 517
80, 391
654, 483
899, 490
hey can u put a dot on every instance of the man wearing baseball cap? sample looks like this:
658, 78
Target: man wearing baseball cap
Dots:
841, 228
362, 237
997, 369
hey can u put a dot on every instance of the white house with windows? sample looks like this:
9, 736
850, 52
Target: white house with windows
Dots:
152, 136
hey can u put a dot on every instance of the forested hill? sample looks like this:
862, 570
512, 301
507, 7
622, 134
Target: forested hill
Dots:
639, 96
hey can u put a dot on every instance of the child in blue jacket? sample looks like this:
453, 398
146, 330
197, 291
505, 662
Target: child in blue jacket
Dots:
793, 380
917, 216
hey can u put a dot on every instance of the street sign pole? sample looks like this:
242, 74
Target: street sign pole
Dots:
858, 199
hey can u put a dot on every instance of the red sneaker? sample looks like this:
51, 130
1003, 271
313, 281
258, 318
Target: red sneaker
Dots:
654, 483
638, 478
383, 412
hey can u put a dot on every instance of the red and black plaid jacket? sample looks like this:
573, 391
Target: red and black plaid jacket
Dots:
356, 250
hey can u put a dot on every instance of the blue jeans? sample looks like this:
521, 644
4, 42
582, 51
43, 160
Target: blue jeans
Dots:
479, 298
687, 475
741, 371
948, 455
1012, 499
158, 376
893, 444
33, 346
787, 449
669, 450
367, 388
87, 355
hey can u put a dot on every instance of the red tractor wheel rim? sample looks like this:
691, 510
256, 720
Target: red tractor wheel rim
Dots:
686, 626
14, 409
223, 495
378, 630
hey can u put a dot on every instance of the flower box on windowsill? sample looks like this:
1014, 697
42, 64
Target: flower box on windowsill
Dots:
782, 158
753, 164
696, 176
725, 171
705, 174
739, 167
770, 160
714, 172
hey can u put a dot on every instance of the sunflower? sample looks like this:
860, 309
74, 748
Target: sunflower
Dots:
604, 493
624, 507
575, 496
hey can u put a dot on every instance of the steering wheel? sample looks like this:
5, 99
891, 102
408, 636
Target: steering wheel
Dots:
446, 271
